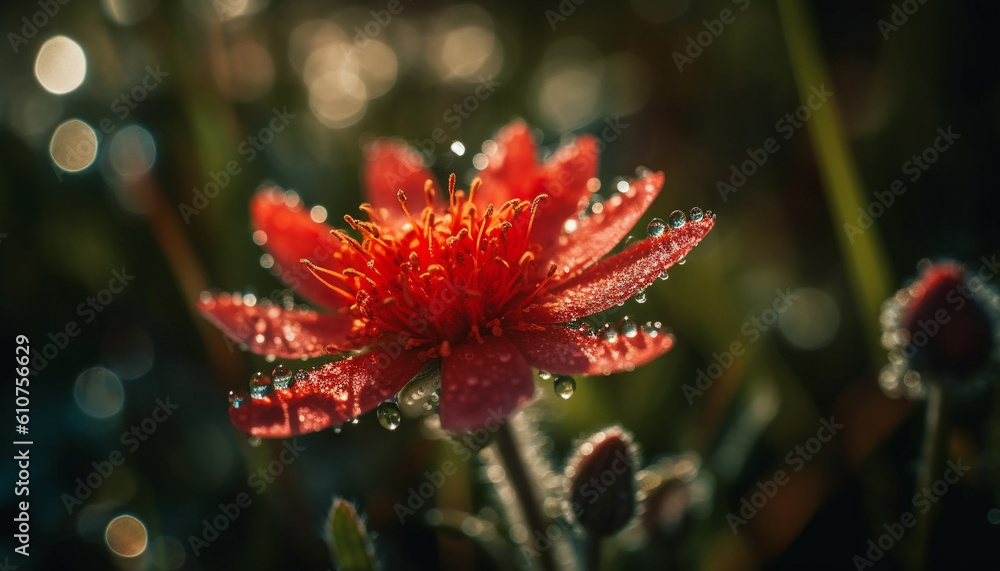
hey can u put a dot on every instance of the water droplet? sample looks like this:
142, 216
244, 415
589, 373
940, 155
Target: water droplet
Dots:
354, 420
254, 441
676, 219
652, 328
545, 375
388, 415
682, 261
664, 275
236, 399
301, 375
628, 327
564, 386
282, 377
337, 429
656, 227
696, 214
269, 357
640, 296
608, 333
260, 385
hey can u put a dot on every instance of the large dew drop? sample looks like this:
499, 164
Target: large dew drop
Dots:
676, 219
282, 376
388, 415
564, 386
640, 296
260, 385
696, 214
656, 227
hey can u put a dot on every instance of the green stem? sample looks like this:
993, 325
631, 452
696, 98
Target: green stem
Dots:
524, 488
594, 552
935, 450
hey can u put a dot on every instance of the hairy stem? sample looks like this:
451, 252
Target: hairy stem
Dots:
525, 489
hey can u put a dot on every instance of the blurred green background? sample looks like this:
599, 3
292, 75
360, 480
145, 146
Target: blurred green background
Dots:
114, 114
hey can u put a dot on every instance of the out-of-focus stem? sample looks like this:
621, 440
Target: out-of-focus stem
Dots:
525, 489
935, 450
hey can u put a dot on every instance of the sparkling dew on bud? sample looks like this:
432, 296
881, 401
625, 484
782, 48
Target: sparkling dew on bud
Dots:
696, 214
260, 385
388, 415
564, 386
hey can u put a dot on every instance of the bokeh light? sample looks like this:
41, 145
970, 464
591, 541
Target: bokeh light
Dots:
128, 12
126, 536
132, 151
463, 45
73, 146
811, 320
99, 392
61, 65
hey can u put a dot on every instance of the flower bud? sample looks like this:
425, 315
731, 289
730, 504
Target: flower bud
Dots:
943, 327
602, 486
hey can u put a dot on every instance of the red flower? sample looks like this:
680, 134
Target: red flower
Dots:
480, 282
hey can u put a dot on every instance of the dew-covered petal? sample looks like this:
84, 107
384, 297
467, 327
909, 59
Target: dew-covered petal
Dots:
563, 179
483, 381
597, 234
618, 278
513, 170
391, 166
268, 329
291, 235
565, 351
329, 396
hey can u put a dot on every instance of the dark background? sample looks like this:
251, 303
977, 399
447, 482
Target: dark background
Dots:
64, 233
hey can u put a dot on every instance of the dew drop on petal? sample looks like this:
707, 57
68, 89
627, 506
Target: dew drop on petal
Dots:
676, 219
664, 275
682, 261
696, 214
260, 385
545, 375
254, 441
608, 333
354, 420
236, 399
628, 327
282, 376
301, 375
640, 296
388, 415
656, 228
564, 386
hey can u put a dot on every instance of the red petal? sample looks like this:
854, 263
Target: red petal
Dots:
597, 234
512, 171
564, 179
618, 278
291, 236
268, 329
565, 351
392, 166
480, 381
330, 396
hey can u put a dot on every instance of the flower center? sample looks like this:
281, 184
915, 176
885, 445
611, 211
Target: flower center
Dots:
441, 279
